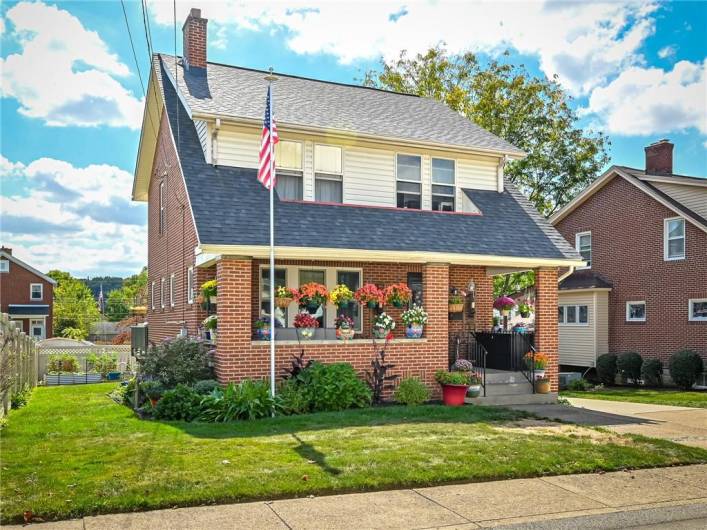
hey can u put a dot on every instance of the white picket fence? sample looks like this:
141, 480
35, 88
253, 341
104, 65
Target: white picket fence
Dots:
19, 360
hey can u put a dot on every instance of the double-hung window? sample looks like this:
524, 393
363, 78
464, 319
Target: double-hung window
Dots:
288, 157
36, 291
583, 244
674, 238
443, 185
328, 174
409, 181
636, 311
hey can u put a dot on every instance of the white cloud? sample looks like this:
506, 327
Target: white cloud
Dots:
583, 43
667, 51
64, 73
72, 218
648, 101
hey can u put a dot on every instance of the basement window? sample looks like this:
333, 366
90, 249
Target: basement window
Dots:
697, 309
636, 311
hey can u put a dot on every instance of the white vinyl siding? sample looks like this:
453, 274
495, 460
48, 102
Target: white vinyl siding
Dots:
693, 197
202, 130
581, 344
479, 172
239, 149
370, 177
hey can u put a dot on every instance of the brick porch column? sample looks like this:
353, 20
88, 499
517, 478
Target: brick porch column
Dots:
483, 316
546, 338
234, 308
435, 281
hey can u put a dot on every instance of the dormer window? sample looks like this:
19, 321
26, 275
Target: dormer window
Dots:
443, 188
288, 157
409, 181
674, 238
328, 174
583, 244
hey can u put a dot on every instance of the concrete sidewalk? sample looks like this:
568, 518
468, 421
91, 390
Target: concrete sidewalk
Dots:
683, 425
610, 500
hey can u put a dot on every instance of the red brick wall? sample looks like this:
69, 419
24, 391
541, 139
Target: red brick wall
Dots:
546, 338
171, 252
14, 289
627, 248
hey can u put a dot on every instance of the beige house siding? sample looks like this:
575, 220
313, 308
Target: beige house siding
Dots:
601, 321
202, 130
369, 176
694, 197
578, 342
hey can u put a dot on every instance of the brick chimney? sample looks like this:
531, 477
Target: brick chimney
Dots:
194, 44
659, 158
7, 250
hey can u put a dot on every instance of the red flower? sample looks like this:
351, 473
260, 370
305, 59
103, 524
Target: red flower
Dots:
305, 320
369, 293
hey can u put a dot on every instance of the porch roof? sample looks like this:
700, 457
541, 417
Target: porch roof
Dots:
28, 310
230, 207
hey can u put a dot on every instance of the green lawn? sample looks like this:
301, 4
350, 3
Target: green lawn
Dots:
678, 398
72, 451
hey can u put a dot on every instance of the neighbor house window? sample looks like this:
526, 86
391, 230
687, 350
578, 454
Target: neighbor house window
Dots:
288, 158
152, 295
583, 244
4, 265
162, 293
190, 285
674, 238
443, 185
697, 308
577, 315
37, 329
328, 174
163, 207
636, 311
171, 291
36, 291
409, 181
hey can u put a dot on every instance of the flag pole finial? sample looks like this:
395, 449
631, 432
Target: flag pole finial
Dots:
271, 76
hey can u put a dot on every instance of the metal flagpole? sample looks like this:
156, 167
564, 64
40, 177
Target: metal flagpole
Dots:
270, 78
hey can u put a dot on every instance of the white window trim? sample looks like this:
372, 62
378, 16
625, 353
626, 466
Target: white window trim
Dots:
324, 175
636, 302
4, 265
454, 186
573, 324
41, 291
689, 310
422, 160
38, 322
162, 293
577, 238
152, 295
172, 301
666, 239
190, 285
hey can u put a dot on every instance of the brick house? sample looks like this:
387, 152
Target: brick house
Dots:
643, 233
26, 295
373, 187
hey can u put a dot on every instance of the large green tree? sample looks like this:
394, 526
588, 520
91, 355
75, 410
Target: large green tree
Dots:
531, 112
75, 308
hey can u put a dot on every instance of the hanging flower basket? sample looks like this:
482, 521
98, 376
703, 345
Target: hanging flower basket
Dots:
504, 304
341, 296
369, 295
284, 296
398, 295
456, 308
312, 295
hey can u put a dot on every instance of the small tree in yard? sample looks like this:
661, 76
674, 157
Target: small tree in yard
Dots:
685, 367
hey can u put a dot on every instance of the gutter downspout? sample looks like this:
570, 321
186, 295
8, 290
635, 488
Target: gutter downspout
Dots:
214, 142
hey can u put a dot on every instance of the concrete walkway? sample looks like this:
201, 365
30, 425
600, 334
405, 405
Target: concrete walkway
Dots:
609, 500
683, 425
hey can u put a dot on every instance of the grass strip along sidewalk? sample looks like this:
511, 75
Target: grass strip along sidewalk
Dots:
676, 398
72, 451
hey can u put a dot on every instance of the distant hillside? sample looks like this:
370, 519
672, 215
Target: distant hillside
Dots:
110, 283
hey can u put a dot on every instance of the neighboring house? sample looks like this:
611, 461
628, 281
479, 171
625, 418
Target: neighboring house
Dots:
26, 295
373, 187
643, 234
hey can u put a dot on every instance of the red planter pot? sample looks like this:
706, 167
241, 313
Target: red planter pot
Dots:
453, 395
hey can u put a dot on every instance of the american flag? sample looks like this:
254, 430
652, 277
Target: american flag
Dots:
266, 168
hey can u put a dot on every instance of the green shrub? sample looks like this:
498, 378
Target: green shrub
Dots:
292, 398
152, 389
629, 366
179, 361
205, 386
580, 385
247, 400
453, 378
606, 368
103, 363
21, 397
652, 372
63, 362
179, 404
412, 391
685, 366
334, 387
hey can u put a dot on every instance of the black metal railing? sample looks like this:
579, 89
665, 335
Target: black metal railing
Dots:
467, 347
508, 350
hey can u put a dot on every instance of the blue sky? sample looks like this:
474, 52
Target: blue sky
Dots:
71, 100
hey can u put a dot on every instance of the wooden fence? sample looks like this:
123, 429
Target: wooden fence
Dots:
19, 361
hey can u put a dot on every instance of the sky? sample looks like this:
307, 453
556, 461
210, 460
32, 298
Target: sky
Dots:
71, 99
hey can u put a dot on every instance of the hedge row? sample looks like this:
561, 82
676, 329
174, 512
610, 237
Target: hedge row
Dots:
685, 367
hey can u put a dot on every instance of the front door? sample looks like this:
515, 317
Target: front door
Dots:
37, 330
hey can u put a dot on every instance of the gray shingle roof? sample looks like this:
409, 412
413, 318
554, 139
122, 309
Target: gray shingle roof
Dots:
240, 93
584, 279
231, 207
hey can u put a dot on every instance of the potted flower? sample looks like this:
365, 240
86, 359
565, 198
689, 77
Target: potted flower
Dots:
312, 295
369, 295
415, 319
463, 365
344, 327
153, 390
383, 326
209, 290
306, 324
284, 296
210, 324
454, 386
398, 295
542, 385
341, 296
456, 301
538, 361
262, 328
504, 304
525, 309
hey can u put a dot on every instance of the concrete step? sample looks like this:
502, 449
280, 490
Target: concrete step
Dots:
508, 389
519, 399
505, 377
